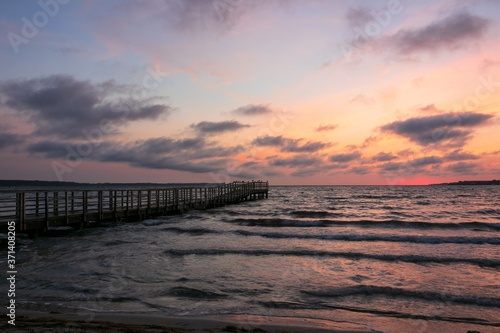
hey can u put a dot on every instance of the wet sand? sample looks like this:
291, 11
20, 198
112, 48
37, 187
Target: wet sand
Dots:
38, 322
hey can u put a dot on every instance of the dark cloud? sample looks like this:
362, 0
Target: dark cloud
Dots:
309, 171
450, 32
412, 165
391, 166
424, 161
452, 129
270, 141
463, 168
191, 154
50, 149
253, 110
324, 128
168, 145
383, 157
458, 155
65, 107
296, 161
290, 145
11, 140
359, 170
358, 16
344, 158
208, 127
308, 147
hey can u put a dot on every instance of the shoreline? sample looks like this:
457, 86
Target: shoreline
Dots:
35, 322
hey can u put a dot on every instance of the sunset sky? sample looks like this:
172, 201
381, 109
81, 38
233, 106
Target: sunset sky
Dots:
290, 91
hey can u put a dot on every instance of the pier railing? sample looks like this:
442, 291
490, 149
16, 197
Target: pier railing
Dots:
42, 209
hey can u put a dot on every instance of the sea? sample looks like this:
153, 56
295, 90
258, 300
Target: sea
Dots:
390, 258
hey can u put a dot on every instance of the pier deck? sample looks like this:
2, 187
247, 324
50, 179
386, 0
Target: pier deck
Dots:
38, 210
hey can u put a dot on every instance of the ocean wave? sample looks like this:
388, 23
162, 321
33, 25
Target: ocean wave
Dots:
378, 238
348, 255
185, 292
309, 214
343, 237
379, 197
368, 290
191, 231
279, 222
487, 212
379, 312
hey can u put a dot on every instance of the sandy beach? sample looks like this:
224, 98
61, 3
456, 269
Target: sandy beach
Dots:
35, 322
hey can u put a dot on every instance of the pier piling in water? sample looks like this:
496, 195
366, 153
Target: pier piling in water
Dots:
35, 211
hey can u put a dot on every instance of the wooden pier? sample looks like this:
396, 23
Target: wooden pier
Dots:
37, 211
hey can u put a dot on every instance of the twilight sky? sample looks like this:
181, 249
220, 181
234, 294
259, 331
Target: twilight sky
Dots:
290, 91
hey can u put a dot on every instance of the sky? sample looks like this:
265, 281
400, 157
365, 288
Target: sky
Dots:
390, 92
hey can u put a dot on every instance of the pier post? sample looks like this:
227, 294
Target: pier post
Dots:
55, 203
66, 206
149, 202
21, 210
139, 202
85, 205
99, 203
46, 206
37, 205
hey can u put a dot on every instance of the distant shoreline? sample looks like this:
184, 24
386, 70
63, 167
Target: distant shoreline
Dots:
472, 182
55, 183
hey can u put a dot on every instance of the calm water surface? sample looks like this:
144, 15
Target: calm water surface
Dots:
396, 259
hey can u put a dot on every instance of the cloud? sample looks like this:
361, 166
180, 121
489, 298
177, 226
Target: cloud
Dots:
62, 106
50, 149
324, 128
344, 158
358, 16
458, 155
309, 171
270, 141
359, 170
290, 145
190, 154
453, 129
11, 140
167, 145
363, 99
451, 32
424, 161
383, 157
296, 161
208, 127
431, 108
463, 168
308, 147
414, 166
253, 110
